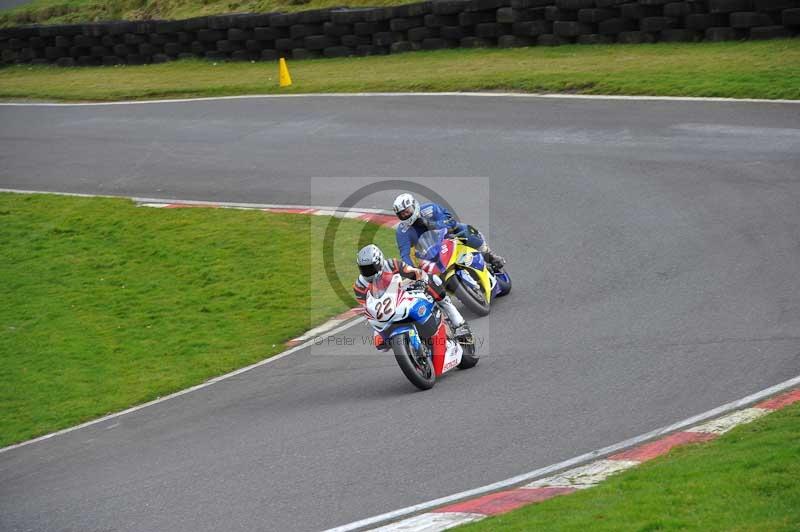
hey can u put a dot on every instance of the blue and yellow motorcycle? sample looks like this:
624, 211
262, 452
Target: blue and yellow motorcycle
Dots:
463, 270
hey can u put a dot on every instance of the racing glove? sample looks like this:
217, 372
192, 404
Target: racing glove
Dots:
461, 230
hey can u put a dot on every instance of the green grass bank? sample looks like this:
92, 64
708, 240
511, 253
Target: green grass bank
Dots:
744, 481
749, 69
72, 11
107, 305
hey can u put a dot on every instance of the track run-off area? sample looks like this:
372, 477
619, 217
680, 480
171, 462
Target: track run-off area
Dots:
654, 247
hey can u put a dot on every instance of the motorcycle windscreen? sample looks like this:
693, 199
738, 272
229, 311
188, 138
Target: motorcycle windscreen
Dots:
429, 244
380, 284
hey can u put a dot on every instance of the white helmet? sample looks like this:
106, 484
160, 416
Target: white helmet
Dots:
370, 261
407, 209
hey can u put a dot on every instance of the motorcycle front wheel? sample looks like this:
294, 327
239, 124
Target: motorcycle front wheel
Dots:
415, 363
473, 298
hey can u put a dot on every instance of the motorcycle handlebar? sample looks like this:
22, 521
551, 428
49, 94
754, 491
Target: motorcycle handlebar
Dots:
416, 286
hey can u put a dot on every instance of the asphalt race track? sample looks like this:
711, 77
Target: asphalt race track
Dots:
654, 247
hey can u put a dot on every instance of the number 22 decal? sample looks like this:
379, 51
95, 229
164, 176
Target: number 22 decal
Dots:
384, 308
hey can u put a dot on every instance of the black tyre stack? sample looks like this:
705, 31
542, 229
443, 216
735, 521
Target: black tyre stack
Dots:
432, 25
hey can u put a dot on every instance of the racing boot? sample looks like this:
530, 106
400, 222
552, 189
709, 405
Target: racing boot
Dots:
463, 334
495, 261
460, 327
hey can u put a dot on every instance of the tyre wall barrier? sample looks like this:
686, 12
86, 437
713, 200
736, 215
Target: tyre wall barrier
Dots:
430, 25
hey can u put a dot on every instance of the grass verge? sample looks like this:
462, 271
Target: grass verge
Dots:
72, 11
750, 69
106, 304
746, 480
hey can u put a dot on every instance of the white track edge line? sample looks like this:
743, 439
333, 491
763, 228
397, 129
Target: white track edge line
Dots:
201, 202
586, 457
412, 94
185, 391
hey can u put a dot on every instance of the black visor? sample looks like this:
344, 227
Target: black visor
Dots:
368, 270
406, 213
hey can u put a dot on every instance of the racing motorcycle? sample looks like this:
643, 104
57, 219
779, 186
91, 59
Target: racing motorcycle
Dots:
406, 320
463, 270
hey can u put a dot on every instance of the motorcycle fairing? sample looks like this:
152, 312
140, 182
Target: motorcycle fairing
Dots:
472, 260
388, 293
446, 353
435, 253
476, 265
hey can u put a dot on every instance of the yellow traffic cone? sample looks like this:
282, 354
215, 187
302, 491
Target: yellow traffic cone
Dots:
284, 79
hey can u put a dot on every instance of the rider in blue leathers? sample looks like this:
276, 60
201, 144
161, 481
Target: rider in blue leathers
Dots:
416, 219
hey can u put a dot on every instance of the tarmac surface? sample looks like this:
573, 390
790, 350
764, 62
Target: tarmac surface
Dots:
654, 248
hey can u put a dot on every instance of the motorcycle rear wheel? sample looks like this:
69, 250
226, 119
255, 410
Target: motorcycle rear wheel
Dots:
416, 366
472, 300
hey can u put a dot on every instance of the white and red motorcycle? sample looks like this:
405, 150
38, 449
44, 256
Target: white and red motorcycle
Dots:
408, 321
